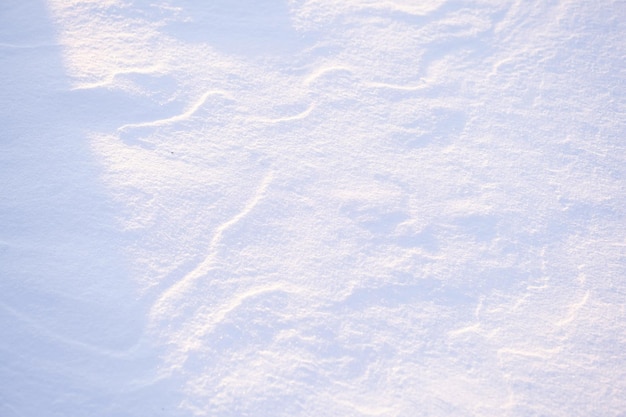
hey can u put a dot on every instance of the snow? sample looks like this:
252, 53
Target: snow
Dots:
310, 207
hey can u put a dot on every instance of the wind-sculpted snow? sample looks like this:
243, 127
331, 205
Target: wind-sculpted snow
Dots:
312, 208
169, 303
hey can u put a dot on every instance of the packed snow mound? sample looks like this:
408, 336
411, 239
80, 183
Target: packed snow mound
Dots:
305, 208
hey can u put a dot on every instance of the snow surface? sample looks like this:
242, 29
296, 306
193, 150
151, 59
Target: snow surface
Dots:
312, 208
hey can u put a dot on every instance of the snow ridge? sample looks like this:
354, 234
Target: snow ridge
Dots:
186, 115
166, 304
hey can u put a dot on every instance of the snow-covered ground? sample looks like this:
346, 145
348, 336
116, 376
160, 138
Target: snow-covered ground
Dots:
312, 208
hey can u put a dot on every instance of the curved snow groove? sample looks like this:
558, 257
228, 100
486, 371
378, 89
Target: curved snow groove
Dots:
537, 353
110, 78
166, 303
573, 310
323, 72
215, 316
298, 116
398, 87
326, 70
183, 116
44, 332
204, 322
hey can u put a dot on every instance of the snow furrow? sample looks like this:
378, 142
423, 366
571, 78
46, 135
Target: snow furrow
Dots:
191, 110
166, 304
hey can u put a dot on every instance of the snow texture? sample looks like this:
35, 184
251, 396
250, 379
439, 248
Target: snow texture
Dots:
312, 208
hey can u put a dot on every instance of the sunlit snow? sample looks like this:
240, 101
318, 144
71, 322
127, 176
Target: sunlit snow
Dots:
312, 208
